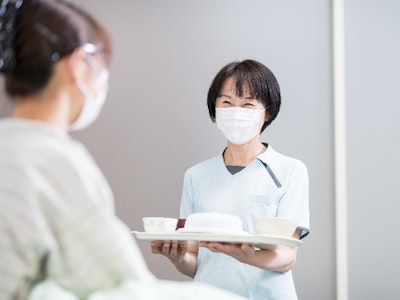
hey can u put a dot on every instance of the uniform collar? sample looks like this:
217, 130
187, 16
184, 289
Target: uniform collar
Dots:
265, 157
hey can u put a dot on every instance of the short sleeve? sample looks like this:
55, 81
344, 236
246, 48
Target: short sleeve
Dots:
187, 201
294, 203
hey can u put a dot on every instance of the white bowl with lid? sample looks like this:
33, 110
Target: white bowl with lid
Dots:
213, 222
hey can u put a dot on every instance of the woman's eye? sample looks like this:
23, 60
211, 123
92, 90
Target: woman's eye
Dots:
249, 104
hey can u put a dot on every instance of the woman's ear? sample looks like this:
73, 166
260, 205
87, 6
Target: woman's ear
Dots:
267, 115
74, 65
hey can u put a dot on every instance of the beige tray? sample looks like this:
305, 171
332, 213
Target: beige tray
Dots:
258, 240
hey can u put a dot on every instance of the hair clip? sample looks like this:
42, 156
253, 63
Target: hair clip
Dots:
46, 32
8, 15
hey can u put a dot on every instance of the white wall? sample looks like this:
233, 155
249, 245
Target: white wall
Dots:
373, 139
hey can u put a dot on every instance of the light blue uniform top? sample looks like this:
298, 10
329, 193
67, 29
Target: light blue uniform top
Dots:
272, 185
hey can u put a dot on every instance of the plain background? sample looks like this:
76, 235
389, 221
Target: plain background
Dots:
373, 135
155, 123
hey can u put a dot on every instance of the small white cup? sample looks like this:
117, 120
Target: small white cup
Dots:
159, 224
275, 226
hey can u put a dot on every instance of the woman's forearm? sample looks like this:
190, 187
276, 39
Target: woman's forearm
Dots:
186, 264
280, 260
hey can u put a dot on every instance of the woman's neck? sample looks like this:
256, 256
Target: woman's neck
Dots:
243, 155
53, 110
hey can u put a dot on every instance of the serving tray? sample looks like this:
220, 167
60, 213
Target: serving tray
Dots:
258, 240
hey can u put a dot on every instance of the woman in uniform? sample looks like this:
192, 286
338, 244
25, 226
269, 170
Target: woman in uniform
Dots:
248, 179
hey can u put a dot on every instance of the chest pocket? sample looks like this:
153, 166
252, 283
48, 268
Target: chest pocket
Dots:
263, 205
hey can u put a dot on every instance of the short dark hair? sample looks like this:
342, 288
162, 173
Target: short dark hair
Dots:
260, 81
45, 32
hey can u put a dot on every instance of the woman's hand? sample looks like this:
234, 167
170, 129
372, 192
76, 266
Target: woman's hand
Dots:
173, 250
244, 253
182, 255
282, 259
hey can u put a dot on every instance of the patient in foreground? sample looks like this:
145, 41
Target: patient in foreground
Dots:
59, 236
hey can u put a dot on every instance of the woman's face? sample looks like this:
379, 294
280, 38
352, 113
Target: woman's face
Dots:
229, 98
93, 86
97, 74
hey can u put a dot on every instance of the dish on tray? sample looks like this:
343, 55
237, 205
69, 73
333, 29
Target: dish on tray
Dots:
213, 222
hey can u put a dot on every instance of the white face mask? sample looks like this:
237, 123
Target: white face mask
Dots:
92, 104
239, 125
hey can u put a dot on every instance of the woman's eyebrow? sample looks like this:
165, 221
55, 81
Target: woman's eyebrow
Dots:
245, 98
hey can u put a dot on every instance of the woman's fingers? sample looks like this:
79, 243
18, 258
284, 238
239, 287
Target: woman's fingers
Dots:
235, 250
168, 248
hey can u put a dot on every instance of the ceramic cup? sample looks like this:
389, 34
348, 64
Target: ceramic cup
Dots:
275, 226
159, 224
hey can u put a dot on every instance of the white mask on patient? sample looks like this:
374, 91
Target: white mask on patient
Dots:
239, 125
92, 104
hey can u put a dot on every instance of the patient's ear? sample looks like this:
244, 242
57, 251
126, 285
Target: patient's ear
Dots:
75, 64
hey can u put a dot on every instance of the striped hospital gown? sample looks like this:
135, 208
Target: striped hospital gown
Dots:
57, 218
